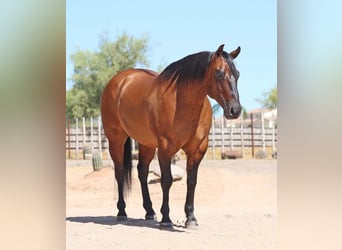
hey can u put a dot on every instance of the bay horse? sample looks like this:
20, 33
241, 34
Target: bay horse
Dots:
169, 111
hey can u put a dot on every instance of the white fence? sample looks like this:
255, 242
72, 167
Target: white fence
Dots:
223, 135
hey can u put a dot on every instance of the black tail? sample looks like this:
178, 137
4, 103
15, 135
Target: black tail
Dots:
128, 163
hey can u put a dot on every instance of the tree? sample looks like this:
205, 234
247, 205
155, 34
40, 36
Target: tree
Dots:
93, 70
270, 99
216, 109
77, 104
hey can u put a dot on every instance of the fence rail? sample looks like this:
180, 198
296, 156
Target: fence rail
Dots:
82, 132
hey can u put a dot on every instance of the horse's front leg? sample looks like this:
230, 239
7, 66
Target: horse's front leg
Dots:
166, 181
193, 160
192, 170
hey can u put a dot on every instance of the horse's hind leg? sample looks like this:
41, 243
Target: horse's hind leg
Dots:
145, 157
116, 149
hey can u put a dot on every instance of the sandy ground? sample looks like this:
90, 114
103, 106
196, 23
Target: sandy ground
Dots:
235, 205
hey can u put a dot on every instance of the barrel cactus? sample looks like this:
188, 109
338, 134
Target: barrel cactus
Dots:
261, 154
97, 161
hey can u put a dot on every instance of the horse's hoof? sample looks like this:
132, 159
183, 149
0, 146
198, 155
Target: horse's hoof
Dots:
191, 224
166, 225
150, 217
121, 217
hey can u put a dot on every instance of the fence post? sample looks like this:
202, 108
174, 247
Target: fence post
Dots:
252, 133
108, 153
84, 131
231, 135
91, 134
242, 140
212, 138
273, 138
69, 146
99, 133
76, 138
222, 135
263, 131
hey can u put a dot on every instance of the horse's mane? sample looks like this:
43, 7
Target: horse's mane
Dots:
187, 69
191, 68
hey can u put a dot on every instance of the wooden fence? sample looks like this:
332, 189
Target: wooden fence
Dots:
222, 136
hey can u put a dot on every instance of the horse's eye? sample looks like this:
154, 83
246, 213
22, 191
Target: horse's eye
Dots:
219, 74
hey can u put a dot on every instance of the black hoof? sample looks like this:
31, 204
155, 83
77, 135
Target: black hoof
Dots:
191, 224
121, 217
166, 225
150, 217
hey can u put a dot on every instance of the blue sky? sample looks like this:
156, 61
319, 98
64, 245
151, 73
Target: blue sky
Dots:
179, 28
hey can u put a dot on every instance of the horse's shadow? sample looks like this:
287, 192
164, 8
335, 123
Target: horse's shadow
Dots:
132, 222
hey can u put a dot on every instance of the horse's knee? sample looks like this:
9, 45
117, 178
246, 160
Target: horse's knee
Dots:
191, 181
166, 181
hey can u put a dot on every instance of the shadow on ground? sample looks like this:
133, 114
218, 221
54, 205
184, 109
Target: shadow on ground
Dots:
132, 222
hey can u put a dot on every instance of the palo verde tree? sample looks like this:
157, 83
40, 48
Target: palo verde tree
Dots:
93, 70
269, 99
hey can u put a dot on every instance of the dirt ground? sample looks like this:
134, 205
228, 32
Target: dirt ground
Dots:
235, 206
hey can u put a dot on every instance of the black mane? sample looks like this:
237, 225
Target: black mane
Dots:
192, 68
187, 69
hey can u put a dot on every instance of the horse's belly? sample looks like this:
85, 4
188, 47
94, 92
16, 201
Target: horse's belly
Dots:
142, 134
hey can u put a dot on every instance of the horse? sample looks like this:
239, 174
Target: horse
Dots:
167, 111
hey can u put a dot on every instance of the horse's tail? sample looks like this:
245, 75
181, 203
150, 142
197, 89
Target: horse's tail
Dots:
128, 163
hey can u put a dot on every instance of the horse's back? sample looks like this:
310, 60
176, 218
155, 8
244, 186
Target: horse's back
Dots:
127, 75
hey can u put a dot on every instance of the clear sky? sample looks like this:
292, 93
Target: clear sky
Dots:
179, 28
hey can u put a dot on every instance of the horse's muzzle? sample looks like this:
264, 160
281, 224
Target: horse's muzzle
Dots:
232, 111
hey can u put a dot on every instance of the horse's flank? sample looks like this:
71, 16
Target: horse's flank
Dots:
127, 94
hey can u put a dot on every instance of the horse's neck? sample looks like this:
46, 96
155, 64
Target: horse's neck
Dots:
193, 95
181, 99
176, 110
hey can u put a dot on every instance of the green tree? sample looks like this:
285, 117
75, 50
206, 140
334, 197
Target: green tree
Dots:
77, 104
216, 108
93, 70
244, 113
269, 99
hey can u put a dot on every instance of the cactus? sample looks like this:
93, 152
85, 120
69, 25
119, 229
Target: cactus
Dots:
86, 151
231, 154
97, 161
261, 154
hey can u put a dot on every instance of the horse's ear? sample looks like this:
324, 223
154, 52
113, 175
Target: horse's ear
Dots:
236, 52
219, 51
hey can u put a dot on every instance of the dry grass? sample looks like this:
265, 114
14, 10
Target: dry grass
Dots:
211, 154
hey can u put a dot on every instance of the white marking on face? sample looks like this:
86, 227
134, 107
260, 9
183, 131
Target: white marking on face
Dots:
232, 82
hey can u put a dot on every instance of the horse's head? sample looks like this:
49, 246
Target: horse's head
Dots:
221, 81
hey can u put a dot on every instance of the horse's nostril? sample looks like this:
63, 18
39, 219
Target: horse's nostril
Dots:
235, 110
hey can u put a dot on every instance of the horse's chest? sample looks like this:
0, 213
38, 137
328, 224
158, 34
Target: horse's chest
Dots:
181, 129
